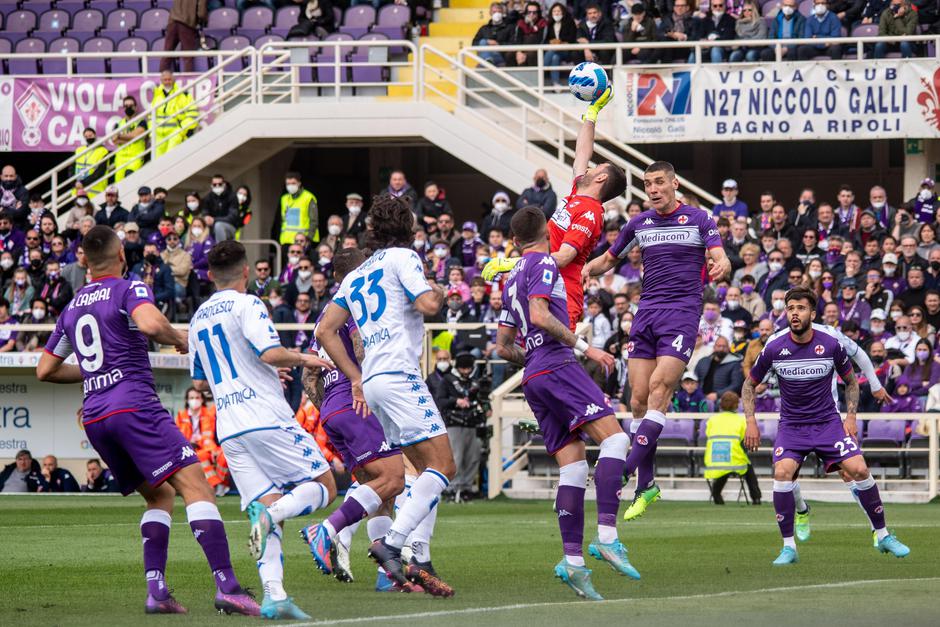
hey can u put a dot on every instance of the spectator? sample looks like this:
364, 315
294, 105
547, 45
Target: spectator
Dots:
20, 293
14, 197
58, 479
878, 204
354, 223
499, 217
133, 244
922, 329
60, 252
147, 213
432, 204
316, 18
130, 141
180, 263
733, 310
48, 229
220, 209
399, 187
7, 335
721, 371
263, 283
186, 16
677, 26
724, 454
446, 232
932, 308
294, 254
775, 278
91, 164
923, 206
81, 209
848, 11
497, 32
765, 329
689, 398
924, 372
465, 250
34, 341
640, 28
55, 291
12, 239
561, 30
456, 309
540, 194
823, 24
197, 424
777, 314
243, 198
712, 325
302, 282
175, 111
751, 299
7, 267
191, 208
198, 245
851, 307
455, 281
23, 475
903, 402
789, 24
600, 324
903, 341
916, 291
753, 267
324, 262
877, 331
749, 26
111, 213
531, 29
75, 273
927, 240
717, 25
98, 479
873, 10
334, 233
298, 213
876, 295
596, 28
157, 275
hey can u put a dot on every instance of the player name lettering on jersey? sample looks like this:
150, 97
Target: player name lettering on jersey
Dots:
90, 298
214, 309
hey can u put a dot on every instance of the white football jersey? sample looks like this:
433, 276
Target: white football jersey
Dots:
379, 296
227, 336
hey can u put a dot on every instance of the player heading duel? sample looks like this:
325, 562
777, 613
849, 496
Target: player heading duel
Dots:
804, 361
675, 240
575, 228
105, 325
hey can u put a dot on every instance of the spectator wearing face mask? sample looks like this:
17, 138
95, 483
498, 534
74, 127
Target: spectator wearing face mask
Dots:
220, 209
717, 25
19, 293
923, 373
877, 330
180, 263
822, 25
531, 29
904, 340
81, 207
562, 29
776, 277
334, 233
34, 341
497, 32
851, 307
147, 213
297, 214
196, 422
7, 335
91, 164
740, 338
765, 329
55, 290
712, 325
438, 260
777, 313
14, 197
733, 310
302, 282
925, 204
596, 28
465, 248
12, 239
539, 194
878, 204
157, 275
501, 214
751, 299
354, 222
111, 212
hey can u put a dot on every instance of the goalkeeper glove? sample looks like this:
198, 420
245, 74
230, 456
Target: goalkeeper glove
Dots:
495, 267
596, 106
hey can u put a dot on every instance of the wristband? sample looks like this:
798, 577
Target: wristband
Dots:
581, 345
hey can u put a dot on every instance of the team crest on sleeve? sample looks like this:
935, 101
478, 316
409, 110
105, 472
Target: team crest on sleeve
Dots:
682, 219
819, 349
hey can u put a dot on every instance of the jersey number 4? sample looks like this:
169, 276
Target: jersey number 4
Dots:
374, 288
203, 336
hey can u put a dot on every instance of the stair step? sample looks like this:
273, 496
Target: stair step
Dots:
406, 74
451, 16
461, 29
433, 99
470, 4
447, 45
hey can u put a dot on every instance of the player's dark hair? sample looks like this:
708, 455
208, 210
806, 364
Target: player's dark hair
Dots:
616, 183
392, 223
661, 166
101, 245
226, 260
801, 293
845, 187
5, 216
729, 401
4, 302
93, 460
528, 225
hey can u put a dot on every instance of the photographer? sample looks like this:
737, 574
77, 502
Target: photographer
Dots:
463, 400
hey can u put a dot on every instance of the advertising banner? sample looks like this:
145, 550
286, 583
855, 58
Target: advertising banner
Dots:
893, 98
49, 114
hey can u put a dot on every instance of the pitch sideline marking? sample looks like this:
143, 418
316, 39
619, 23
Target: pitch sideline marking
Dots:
526, 606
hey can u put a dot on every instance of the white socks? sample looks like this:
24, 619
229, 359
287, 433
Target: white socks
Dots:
655, 416
420, 538
790, 542
300, 501
423, 496
271, 566
377, 527
801, 506
202, 510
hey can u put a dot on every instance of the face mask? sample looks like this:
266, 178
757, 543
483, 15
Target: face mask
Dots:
557, 17
815, 274
89, 140
612, 215
775, 266
482, 260
924, 195
820, 10
129, 111
710, 316
747, 289
8, 184
419, 244
877, 329
500, 206
52, 276
443, 366
733, 304
788, 11
293, 260
935, 266
304, 275
497, 17
354, 210
823, 245
35, 263
81, 201
218, 190
334, 229
895, 315
143, 205
292, 189
922, 355
324, 261
593, 290
4, 232
904, 335
39, 313
590, 23
174, 246
626, 325
165, 230
275, 302
721, 291
779, 304
6, 264
192, 205
454, 305
242, 198
878, 205
196, 231
151, 258
718, 14
194, 403
440, 253
719, 355
20, 282
121, 235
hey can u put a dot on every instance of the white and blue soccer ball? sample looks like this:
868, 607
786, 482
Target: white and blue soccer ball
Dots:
587, 81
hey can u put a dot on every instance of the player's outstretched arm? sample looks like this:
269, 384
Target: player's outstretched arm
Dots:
584, 146
851, 404
751, 432
54, 370
313, 387
541, 317
152, 323
506, 346
599, 265
564, 255
280, 357
333, 319
430, 302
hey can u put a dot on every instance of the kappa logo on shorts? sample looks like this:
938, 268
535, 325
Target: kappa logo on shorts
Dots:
308, 452
592, 409
298, 439
422, 400
314, 465
415, 387
435, 427
778, 451
187, 452
385, 447
819, 349
682, 219
412, 377
688, 352
641, 440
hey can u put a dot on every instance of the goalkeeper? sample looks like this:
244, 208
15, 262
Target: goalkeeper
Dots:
576, 227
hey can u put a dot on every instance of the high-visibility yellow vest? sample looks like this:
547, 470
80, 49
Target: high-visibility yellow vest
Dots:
173, 110
130, 152
723, 451
87, 159
295, 216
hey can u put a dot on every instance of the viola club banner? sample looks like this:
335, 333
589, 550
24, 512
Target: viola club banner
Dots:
823, 100
49, 114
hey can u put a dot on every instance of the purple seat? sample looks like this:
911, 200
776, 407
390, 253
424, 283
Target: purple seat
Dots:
105, 6
865, 30
286, 17
97, 65
328, 54
154, 19
768, 430
122, 19
267, 39
677, 433
679, 430
20, 22
153, 63
221, 23
234, 42
62, 45
88, 20
255, 22
393, 22
47, 37
54, 21
887, 434
357, 20
70, 6
39, 6
805, 8
127, 65
81, 35
372, 73
24, 65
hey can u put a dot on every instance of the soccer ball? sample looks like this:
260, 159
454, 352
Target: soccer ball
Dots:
587, 81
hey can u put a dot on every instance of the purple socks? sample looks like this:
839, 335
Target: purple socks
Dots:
351, 511
155, 531
870, 499
644, 447
785, 506
608, 482
569, 505
206, 523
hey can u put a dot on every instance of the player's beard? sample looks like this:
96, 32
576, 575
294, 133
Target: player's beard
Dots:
801, 329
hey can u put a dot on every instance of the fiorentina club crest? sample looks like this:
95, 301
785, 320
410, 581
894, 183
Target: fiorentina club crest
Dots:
929, 100
629, 347
641, 440
682, 219
819, 350
778, 451
32, 108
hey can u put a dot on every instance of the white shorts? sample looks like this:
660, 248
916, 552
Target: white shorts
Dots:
266, 460
404, 407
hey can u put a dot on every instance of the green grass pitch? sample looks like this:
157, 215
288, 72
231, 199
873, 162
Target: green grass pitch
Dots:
77, 561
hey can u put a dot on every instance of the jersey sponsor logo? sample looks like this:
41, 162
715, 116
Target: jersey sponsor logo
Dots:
100, 382
681, 236
376, 338
592, 409
235, 398
187, 452
682, 219
547, 277
803, 369
712, 232
562, 217
582, 228
140, 292
819, 349
785, 351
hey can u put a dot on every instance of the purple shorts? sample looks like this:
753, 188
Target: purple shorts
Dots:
141, 445
827, 439
358, 440
563, 400
661, 333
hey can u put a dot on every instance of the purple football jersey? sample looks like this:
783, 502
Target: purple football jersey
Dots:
673, 248
804, 374
536, 276
111, 352
337, 390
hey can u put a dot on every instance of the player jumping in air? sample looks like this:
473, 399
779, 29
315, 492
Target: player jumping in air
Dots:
576, 227
565, 402
674, 240
277, 466
107, 325
388, 297
805, 360
362, 445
